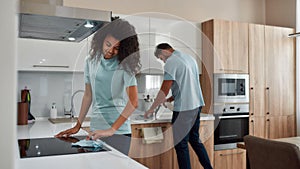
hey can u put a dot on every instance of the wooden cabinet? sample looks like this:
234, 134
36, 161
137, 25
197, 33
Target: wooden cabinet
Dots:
44, 55
226, 44
224, 50
230, 159
155, 155
280, 71
257, 126
207, 137
163, 155
272, 81
270, 56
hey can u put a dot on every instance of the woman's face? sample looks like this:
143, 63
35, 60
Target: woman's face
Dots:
110, 47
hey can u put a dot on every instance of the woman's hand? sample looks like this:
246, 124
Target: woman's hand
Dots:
101, 133
70, 131
69, 139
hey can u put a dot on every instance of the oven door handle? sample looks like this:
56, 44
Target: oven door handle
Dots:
233, 117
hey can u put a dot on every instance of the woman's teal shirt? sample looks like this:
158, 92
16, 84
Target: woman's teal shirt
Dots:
109, 82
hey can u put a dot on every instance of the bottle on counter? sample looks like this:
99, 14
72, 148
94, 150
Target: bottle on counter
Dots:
53, 111
26, 98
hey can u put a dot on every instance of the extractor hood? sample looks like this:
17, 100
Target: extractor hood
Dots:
50, 20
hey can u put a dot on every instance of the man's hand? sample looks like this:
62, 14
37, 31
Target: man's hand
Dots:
148, 113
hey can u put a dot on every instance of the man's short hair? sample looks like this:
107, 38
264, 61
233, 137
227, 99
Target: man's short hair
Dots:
161, 47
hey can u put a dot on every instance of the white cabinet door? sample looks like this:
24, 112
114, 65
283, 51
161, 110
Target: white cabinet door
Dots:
141, 24
43, 55
156, 65
144, 54
181, 35
178, 33
150, 64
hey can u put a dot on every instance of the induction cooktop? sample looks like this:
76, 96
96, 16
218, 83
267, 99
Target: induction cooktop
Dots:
40, 147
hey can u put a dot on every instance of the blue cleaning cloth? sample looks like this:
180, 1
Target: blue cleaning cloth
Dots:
88, 143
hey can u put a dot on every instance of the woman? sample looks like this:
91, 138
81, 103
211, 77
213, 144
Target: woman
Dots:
110, 85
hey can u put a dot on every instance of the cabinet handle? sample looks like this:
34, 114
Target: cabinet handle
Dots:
268, 99
268, 128
52, 66
252, 101
231, 70
228, 154
137, 128
252, 123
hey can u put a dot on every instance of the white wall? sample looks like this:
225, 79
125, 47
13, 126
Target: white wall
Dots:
193, 10
281, 13
8, 125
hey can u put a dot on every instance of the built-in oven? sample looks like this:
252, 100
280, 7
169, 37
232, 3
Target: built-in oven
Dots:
229, 88
232, 124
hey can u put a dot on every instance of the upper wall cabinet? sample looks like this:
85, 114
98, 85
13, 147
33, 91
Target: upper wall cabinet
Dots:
226, 45
179, 33
43, 55
141, 24
182, 35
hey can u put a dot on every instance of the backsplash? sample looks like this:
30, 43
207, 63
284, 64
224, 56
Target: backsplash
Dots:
48, 87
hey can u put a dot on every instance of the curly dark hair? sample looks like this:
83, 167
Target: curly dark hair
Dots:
128, 54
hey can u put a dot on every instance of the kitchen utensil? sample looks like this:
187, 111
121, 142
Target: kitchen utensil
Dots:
22, 113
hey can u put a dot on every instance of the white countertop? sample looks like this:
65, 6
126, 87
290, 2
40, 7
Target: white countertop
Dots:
165, 117
43, 128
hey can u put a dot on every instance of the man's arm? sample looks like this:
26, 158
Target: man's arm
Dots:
161, 96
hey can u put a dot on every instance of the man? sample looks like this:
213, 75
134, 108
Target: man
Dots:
181, 75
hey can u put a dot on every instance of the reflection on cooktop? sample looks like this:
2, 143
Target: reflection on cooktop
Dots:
54, 146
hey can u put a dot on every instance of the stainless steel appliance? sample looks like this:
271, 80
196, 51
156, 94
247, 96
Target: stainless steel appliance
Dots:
40, 147
50, 20
232, 124
231, 88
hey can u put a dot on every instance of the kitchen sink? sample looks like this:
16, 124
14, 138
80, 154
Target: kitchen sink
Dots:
67, 120
140, 119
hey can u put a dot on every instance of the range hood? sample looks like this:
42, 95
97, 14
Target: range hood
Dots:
50, 20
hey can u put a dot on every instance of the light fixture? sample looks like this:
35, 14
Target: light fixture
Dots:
71, 38
292, 35
88, 24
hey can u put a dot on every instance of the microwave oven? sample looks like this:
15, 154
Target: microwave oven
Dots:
231, 88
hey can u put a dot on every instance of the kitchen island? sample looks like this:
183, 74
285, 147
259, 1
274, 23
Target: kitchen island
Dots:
42, 128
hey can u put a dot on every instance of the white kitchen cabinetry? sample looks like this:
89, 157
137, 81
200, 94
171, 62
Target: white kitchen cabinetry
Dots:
142, 27
182, 35
141, 24
43, 55
179, 33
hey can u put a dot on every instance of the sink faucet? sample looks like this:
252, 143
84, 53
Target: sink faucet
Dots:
72, 110
155, 112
